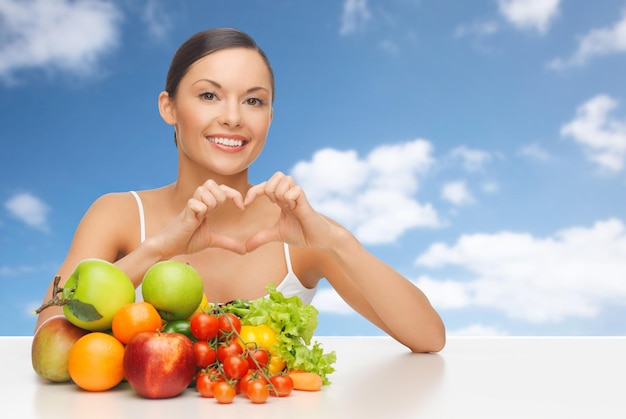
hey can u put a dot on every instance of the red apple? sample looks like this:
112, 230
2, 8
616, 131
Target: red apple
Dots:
159, 365
51, 348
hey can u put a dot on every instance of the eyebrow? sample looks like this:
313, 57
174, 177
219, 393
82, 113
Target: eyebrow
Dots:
219, 86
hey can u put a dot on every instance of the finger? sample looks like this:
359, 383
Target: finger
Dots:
286, 191
293, 196
262, 237
196, 209
228, 243
205, 194
254, 192
214, 195
233, 195
272, 185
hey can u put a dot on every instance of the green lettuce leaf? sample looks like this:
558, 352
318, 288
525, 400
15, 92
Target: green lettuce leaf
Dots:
294, 324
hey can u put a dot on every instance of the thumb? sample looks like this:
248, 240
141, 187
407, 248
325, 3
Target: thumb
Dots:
228, 243
262, 237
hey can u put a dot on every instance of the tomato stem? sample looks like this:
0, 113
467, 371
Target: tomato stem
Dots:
260, 369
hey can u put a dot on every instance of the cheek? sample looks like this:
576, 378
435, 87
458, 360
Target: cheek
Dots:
190, 117
261, 125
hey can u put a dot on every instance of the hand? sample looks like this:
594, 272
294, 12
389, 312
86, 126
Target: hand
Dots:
191, 232
299, 224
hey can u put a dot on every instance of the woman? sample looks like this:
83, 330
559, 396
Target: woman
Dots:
218, 97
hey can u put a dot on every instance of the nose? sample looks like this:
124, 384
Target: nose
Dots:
231, 114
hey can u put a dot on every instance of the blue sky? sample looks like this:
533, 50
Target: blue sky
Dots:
478, 147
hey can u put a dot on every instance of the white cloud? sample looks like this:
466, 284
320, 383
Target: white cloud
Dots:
157, 20
602, 137
477, 330
530, 14
490, 187
390, 47
29, 209
373, 196
16, 271
457, 193
478, 29
471, 159
570, 274
328, 301
597, 42
355, 15
534, 152
55, 34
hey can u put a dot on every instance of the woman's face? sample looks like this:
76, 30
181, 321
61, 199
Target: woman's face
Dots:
222, 110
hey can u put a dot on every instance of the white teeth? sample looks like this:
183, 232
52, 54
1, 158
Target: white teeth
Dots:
226, 141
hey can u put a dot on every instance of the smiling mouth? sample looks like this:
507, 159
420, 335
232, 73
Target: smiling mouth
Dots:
228, 142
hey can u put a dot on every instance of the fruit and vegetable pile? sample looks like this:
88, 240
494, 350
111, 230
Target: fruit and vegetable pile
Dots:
175, 339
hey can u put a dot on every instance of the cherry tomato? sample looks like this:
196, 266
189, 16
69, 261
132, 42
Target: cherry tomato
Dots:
235, 367
205, 354
257, 391
228, 322
205, 379
257, 358
282, 385
243, 383
223, 392
204, 326
215, 374
227, 349
204, 384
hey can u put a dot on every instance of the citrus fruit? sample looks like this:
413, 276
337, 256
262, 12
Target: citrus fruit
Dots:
135, 318
174, 288
203, 307
96, 362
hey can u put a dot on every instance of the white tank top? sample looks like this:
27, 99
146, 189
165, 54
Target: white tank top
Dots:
290, 285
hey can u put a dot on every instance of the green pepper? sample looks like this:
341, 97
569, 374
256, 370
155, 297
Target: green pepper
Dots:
179, 326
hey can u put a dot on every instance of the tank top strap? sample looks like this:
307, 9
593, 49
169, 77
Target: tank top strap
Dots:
142, 219
288, 258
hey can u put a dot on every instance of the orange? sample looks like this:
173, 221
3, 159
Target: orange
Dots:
135, 318
96, 362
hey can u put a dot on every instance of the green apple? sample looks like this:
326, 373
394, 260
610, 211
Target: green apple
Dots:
174, 288
51, 347
94, 292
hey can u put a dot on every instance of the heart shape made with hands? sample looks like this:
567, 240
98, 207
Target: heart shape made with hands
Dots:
290, 227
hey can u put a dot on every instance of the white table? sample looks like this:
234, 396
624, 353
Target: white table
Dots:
504, 377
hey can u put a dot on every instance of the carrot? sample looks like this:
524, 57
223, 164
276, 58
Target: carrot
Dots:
307, 381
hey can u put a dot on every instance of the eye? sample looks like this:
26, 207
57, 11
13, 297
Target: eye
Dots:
254, 101
208, 96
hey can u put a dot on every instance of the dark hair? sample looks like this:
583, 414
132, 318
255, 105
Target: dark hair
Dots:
204, 43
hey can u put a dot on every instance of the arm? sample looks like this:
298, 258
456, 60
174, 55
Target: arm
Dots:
382, 295
98, 235
105, 234
370, 286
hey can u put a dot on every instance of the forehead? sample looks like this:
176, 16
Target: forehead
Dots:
234, 65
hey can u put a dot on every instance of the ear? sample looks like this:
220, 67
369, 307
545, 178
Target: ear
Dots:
166, 108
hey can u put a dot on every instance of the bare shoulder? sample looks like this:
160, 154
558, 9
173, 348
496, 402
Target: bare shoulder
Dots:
113, 199
113, 217
113, 207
